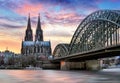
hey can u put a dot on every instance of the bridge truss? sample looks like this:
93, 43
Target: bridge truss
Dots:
61, 50
98, 30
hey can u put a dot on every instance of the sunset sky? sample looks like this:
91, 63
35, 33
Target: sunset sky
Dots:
59, 19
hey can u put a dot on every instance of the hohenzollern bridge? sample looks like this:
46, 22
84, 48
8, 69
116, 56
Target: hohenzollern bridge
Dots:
96, 37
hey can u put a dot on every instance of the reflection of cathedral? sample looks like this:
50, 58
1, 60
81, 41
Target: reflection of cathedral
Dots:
39, 47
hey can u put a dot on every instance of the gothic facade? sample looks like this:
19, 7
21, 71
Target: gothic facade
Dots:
37, 47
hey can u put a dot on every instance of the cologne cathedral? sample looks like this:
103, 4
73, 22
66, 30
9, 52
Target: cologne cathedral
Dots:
37, 47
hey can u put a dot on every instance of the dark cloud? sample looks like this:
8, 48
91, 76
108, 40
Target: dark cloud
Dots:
14, 19
67, 2
21, 21
10, 26
70, 4
51, 17
115, 0
11, 4
49, 1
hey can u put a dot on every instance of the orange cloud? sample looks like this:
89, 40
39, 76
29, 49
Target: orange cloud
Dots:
26, 8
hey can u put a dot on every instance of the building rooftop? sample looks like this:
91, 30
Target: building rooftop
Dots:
40, 43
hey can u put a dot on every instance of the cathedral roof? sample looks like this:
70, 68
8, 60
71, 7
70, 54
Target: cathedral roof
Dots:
43, 43
28, 43
40, 43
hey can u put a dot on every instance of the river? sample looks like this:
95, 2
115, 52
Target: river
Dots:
55, 76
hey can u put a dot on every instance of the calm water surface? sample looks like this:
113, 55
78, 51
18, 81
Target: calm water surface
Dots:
54, 76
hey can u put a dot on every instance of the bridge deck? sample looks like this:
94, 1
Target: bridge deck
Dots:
91, 55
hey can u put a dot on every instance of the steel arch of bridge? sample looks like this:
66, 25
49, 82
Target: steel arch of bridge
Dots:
61, 50
98, 30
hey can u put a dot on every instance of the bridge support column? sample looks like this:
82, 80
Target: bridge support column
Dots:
72, 65
93, 65
87, 65
64, 65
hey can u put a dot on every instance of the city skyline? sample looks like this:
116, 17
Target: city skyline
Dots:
59, 19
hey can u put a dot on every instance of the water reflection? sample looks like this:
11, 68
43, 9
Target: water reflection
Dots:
48, 76
38, 76
20, 74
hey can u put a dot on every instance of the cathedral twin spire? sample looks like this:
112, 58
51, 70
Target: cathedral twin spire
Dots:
29, 23
39, 32
29, 35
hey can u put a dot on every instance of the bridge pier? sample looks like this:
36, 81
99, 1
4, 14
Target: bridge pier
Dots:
93, 65
86, 65
66, 65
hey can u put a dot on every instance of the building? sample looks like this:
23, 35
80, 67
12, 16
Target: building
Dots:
37, 47
7, 57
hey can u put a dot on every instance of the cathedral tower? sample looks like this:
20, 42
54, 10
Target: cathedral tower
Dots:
39, 32
29, 35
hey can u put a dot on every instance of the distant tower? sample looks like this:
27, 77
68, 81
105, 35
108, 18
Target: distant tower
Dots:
39, 32
29, 36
